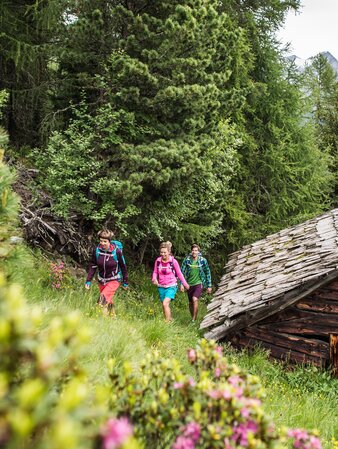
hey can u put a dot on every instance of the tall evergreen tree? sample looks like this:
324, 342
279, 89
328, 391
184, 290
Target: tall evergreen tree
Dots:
26, 39
168, 83
283, 177
322, 91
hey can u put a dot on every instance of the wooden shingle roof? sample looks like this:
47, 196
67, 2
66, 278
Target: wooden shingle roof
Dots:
271, 274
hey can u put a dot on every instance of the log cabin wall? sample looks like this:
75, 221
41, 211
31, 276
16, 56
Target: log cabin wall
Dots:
300, 333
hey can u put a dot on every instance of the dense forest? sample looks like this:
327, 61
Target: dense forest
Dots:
174, 119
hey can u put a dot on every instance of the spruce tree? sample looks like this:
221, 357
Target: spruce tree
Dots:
283, 177
322, 90
169, 81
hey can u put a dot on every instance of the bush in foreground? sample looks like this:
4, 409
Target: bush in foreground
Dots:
220, 407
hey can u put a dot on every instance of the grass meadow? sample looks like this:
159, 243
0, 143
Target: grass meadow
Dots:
298, 397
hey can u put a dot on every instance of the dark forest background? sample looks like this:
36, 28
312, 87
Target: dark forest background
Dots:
167, 120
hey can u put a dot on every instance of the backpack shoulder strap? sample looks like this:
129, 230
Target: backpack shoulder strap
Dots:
97, 252
171, 263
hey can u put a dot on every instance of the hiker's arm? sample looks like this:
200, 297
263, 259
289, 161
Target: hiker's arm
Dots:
184, 267
91, 270
207, 273
179, 274
154, 278
123, 267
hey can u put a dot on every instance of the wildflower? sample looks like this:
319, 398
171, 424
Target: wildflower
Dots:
183, 443
302, 440
217, 372
240, 432
245, 412
227, 444
192, 431
191, 382
219, 349
234, 380
116, 432
178, 385
192, 356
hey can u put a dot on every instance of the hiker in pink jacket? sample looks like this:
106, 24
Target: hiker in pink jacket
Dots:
165, 274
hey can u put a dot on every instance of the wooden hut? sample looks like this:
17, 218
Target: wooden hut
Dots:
282, 293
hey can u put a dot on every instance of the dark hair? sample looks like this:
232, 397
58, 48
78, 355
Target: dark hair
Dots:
105, 234
195, 246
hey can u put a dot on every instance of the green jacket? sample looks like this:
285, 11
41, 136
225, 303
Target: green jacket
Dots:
203, 268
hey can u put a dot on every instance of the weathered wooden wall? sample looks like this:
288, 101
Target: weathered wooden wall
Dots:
300, 333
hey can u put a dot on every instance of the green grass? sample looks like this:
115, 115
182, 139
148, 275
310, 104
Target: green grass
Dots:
295, 397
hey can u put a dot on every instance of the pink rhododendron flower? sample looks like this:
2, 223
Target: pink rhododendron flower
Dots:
217, 372
116, 432
215, 394
192, 431
300, 434
240, 432
227, 444
252, 402
245, 412
191, 382
315, 442
178, 385
302, 440
234, 380
183, 443
192, 356
218, 394
238, 392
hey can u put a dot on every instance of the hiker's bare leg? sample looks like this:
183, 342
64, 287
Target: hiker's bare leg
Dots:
191, 308
194, 307
166, 309
111, 309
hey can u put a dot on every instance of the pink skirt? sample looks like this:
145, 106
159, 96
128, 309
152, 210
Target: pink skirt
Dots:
108, 290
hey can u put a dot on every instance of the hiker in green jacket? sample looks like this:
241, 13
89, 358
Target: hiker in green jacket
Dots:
196, 271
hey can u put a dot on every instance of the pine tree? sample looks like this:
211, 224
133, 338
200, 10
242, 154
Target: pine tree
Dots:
26, 39
322, 90
169, 81
283, 177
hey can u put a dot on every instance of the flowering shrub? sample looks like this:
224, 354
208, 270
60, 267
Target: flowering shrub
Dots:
57, 272
304, 440
44, 396
117, 434
221, 408
60, 276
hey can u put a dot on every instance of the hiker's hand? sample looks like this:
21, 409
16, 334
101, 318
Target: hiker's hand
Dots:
182, 288
87, 285
155, 282
209, 290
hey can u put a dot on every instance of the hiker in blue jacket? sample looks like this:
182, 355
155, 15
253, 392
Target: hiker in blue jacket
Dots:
196, 271
107, 258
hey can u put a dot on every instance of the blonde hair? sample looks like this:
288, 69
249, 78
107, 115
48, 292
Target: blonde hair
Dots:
167, 245
105, 234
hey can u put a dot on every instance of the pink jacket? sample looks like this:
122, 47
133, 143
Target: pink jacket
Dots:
166, 273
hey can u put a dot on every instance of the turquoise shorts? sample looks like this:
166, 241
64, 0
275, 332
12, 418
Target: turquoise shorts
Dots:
168, 292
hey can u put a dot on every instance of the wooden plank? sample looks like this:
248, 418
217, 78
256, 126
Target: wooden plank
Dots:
301, 327
277, 352
320, 305
309, 346
334, 354
333, 286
